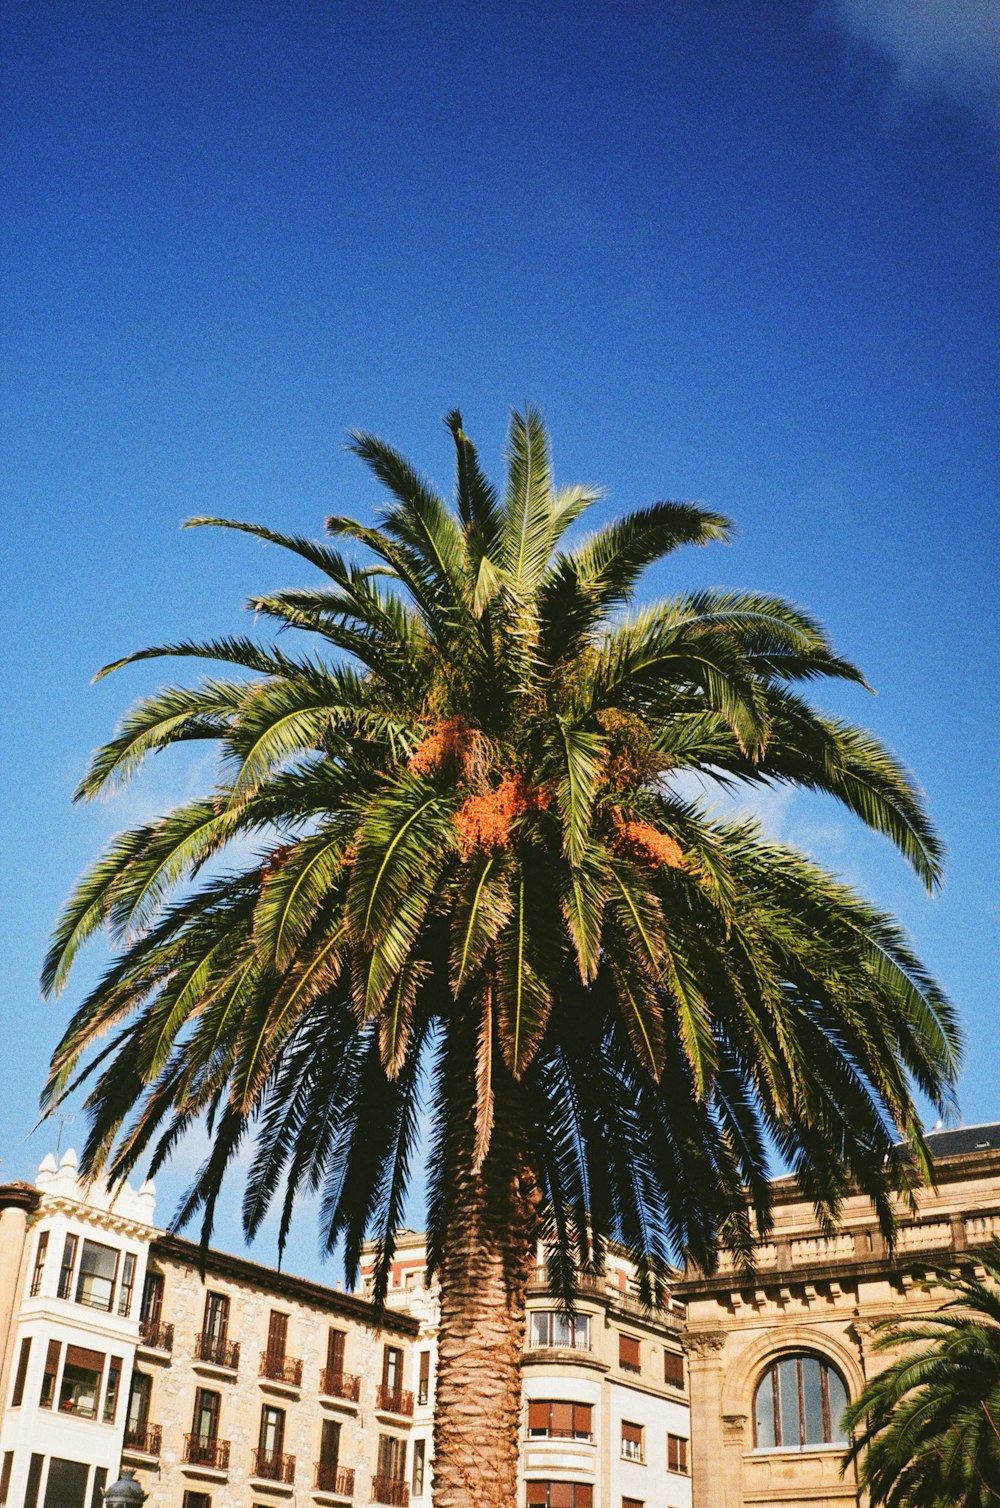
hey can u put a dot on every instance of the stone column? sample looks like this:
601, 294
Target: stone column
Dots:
17, 1202
709, 1459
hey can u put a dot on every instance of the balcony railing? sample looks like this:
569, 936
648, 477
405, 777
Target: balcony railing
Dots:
156, 1335
199, 1451
146, 1438
338, 1480
340, 1385
391, 1490
273, 1466
218, 1351
287, 1369
393, 1400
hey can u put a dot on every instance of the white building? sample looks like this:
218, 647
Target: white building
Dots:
605, 1419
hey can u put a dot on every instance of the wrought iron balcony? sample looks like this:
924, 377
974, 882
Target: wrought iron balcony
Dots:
273, 1466
201, 1450
156, 1335
393, 1400
392, 1490
338, 1480
145, 1438
287, 1369
218, 1351
340, 1385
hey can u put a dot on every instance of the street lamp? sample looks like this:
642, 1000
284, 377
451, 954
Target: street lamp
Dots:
126, 1492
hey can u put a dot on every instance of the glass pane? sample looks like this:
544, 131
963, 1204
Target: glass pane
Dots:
539, 1329
764, 1412
788, 1391
581, 1325
561, 1332
97, 1275
812, 1397
838, 1403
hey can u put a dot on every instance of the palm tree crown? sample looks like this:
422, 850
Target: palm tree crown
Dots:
477, 879
927, 1428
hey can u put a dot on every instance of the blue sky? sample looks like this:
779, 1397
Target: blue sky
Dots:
745, 254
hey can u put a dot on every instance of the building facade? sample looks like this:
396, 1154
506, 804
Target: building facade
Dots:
605, 1419
772, 1361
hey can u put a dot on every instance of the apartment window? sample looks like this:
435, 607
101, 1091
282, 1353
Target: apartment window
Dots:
128, 1283
97, 1491
391, 1458
81, 1382
560, 1421
277, 1335
205, 1423
95, 1284
419, 1467
633, 1503
551, 1327
5, 1471
138, 1403
424, 1381
560, 1495
271, 1440
17, 1397
677, 1453
34, 1480
111, 1391
151, 1309
66, 1486
629, 1355
66, 1269
197, 1500
799, 1403
39, 1268
392, 1368
52, 1357
329, 1445
632, 1449
673, 1368
335, 1350
216, 1322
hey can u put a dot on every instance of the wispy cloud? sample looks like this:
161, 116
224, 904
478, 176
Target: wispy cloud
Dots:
947, 48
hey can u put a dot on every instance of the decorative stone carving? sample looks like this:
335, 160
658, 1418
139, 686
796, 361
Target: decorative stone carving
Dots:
704, 1342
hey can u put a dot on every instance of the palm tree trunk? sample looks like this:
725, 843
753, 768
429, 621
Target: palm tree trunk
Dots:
490, 1225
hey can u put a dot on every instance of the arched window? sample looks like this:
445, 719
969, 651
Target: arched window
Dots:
799, 1404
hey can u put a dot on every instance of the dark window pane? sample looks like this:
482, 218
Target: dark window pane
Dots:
34, 1479
97, 1491
838, 1403
22, 1372
764, 1413
67, 1484
788, 1402
812, 1401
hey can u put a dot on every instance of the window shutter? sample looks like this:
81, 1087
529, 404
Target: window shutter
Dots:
335, 1351
673, 1369
582, 1418
562, 1419
538, 1416
277, 1334
628, 1352
91, 1361
631, 1433
584, 1495
561, 1495
537, 1494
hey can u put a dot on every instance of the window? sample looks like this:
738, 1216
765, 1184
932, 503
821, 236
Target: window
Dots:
673, 1369
66, 1486
52, 1356
97, 1491
66, 1270
216, 1323
95, 1284
197, 1500
17, 1397
128, 1283
419, 1467
329, 1443
81, 1382
560, 1495
799, 1403
335, 1350
277, 1335
34, 1480
629, 1356
633, 1503
205, 1423
632, 1442
560, 1421
551, 1327
392, 1368
151, 1308
271, 1440
138, 1404
39, 1268
111, 1391
677, 1453
424, 1383
5, 1471
391, 1458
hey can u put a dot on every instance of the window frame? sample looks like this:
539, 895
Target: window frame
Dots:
771, 1374
638, 1454
552, 1317
677, 1447
548, 1433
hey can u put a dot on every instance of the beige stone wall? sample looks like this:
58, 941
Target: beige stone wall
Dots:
822, 1295
176, 1380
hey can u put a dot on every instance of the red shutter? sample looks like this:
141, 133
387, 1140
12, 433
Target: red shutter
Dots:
538, 1416
562, 1419
628, 1352
561, 1495
537, 1494
631, 1433
673, 1368
581, 1419
335, 1351
584, 1495
277, 1334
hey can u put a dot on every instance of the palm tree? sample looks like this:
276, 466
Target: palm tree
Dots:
482, 900
927, 1429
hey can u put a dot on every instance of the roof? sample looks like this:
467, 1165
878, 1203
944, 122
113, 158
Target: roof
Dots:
964, 1139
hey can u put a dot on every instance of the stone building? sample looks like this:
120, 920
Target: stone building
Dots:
772, 1361
605, 1412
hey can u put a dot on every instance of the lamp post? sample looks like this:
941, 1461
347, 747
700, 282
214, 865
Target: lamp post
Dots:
126, 1492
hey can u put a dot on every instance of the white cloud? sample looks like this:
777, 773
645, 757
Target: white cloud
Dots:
934, 47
